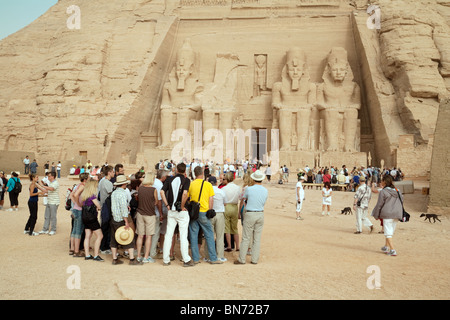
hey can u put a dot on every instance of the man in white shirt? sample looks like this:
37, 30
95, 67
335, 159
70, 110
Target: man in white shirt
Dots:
218, 222
26, 162
232, 192
51, 208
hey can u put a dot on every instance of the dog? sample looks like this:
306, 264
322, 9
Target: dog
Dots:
346, 211
430, 216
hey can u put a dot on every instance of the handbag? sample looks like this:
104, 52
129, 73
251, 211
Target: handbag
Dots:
194, 207
211, 213
405, 215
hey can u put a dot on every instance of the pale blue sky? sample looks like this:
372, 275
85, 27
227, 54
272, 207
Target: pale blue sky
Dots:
17, 14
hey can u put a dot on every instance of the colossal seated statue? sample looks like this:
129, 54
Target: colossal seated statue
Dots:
294, 95
181, 99
338, 99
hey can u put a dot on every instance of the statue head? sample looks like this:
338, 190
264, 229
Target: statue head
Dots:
295, 66
184, 66
338, 64
260, 60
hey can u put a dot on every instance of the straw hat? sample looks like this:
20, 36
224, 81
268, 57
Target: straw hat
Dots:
257, 175
123, 236
121, 180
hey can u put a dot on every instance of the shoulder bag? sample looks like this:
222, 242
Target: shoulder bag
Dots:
405, 215
194, 208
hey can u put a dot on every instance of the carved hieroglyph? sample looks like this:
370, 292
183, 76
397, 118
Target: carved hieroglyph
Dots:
180, 101
294, 95
339, 99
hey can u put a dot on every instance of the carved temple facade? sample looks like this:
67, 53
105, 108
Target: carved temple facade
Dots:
319, 82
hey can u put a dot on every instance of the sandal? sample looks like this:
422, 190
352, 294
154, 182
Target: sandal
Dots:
228, 249
78, 254
71, 252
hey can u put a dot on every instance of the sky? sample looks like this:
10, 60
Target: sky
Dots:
17, 14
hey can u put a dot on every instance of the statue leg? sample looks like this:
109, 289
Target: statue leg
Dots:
284, 123
350, 127
303, 121
166, 127
332, 130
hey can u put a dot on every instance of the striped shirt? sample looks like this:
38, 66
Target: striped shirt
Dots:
53, 196
119, 204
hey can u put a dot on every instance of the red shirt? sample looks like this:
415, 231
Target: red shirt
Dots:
326, 178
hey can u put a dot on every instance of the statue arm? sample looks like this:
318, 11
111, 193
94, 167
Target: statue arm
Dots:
320, 100
312, 94
276, 95
356, 97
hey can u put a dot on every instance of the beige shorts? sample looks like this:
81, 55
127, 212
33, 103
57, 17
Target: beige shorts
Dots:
145, 225
231, 218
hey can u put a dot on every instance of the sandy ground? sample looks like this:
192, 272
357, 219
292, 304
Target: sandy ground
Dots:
316, 258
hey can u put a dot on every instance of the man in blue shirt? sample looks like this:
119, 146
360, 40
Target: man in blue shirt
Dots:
255, 197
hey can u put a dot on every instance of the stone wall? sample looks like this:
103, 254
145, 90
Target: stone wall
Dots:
440, 163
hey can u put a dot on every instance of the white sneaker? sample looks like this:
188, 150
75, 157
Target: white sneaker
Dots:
26, 232
34, 234
385, 249
43, 232
223, 259
16, 209
10, 209
106, 252
52, 233
392, 253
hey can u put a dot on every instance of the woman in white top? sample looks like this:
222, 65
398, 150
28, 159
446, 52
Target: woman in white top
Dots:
300, 196
326, 198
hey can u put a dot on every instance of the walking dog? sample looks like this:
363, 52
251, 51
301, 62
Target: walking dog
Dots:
430, 216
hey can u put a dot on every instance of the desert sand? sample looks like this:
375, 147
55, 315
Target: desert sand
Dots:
316, 258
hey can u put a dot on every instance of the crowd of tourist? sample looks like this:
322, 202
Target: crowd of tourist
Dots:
155, 207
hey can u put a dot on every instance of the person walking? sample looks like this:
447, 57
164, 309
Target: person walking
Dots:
77, 209
33, 204
361, 206
300, 196
206, 200
177, 188
90, 208
119, 208
389, 208
146, 217
13, 193
256, 197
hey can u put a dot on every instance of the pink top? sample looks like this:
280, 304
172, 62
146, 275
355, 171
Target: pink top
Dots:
75, 206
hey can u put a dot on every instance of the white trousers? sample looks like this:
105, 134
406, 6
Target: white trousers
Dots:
361, 219
389, 227
182, 219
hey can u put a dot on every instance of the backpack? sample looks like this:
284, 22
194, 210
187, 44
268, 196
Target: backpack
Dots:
333, 179
17, 186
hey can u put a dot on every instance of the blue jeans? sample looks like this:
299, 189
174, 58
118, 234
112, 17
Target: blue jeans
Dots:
194, 226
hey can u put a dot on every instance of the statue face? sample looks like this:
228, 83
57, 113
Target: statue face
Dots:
183, 69
338, 71
295, 69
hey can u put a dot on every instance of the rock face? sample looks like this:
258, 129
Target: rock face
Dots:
104, 91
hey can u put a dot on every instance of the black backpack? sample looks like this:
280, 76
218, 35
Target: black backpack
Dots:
17, 187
